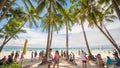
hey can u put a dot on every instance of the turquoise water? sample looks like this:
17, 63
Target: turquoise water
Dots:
14, 48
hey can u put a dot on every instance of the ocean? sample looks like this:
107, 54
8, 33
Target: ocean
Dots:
16, 48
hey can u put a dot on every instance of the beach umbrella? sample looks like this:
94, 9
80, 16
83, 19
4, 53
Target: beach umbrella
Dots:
25, 44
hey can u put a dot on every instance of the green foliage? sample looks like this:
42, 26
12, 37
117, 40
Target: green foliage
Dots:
11, 66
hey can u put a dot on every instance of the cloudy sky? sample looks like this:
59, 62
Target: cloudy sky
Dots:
36, 38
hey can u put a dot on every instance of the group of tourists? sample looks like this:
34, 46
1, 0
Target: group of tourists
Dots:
114, 62
54, 60
13, 57
35, 54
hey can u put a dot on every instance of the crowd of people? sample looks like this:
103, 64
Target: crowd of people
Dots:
97, 59
13, 57
54, 60
111, 62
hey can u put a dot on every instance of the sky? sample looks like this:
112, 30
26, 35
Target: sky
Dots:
38, 39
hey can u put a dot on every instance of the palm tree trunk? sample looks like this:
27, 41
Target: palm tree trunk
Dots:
67, 40
114, 3
48, 37
109, 34
1, 47
2, 3
3, 44
51, 36
6, 10
114, 44
84, 33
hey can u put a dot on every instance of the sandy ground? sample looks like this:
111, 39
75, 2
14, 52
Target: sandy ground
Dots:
63, 63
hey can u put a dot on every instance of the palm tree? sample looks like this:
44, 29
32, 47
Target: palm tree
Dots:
67, 22
2, 3
50, 5
92, 16
80, 15
108, 16
18, 15
10, 30
116, 6
56, 19
115, 3
6, 10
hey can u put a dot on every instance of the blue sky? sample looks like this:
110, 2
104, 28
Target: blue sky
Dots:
36, 38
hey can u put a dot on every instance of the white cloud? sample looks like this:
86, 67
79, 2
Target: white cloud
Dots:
76, 38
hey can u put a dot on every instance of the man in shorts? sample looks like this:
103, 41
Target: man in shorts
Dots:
84, 59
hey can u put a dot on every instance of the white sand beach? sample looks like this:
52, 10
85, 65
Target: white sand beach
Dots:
63, 63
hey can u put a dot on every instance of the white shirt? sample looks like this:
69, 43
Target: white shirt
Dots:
49, 57
83, 56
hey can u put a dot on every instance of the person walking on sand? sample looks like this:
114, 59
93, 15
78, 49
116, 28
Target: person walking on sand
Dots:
116, 61
84, 59
12, 54
31, 56
22, 57
49, 58
100, 63
35, 55
56, 59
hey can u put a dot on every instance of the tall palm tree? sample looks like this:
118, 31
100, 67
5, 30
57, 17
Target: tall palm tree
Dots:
115, 3
50, 5
108, 16
67, 22
56, 19
91, 13
10, 30
80, 15
6, 10
2, 3
18, 15
92, 16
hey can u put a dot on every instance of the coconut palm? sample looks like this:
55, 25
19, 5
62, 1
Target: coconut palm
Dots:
50, 5
56, 19
2, 3
115, 3
18, 15
80, 15
108, 16
90, 8
67, 21
6, 9
92, 16
10, 30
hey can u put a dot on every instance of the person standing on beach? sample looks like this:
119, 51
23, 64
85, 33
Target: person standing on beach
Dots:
56, 59
16, 56
116, 61
12, 54
22, 57
49, 58
35, 54
31, 56
62, 53
84, 59
100, 63
40, 55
